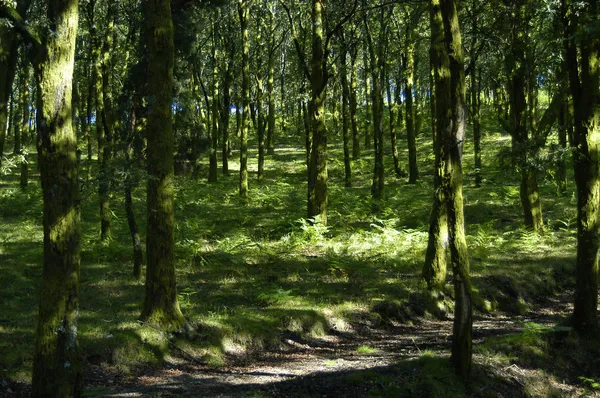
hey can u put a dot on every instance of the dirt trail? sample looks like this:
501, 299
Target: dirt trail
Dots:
320, 367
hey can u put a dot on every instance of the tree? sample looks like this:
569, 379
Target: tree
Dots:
583, 63
317, 171
243, 7
160, 302
516, 70
56, 363
450, 117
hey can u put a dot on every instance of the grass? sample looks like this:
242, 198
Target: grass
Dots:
248, 270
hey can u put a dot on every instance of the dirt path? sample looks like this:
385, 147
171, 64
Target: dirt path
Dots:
321, 367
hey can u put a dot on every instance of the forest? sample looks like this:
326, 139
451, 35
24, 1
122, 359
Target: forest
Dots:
299, 198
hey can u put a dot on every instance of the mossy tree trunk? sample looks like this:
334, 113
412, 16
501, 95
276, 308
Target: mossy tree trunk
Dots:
376, 70
260, 114
584, 81
243, 7
25, 136
516, 64
450, 117
353, 103
270, 144
434, 269
392, 106
214, 105
226, 107
317, 179
161, 307
345, 111
408, 58
367, 96
57, 362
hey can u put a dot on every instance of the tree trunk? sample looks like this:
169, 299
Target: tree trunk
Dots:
225, 112
160, 302
57, 362
24, 97
214, 130
270, 83
450, 109
392, 123
345, 114
243, 14
129, 185
516, 71
434, 269
353, 106
376, 58
368, 133
260, 114
317, 179
475, 110
584, 79
561, 164
413, 171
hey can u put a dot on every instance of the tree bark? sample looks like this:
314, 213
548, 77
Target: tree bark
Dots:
450, 109
161, 307
345, 114
413, 170
434, 269
353, 105
243, 14
24, 98
584, 79
57, 362
317, 180
214, 130
516, 63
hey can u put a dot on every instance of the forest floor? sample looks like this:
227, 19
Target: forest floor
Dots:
367, 362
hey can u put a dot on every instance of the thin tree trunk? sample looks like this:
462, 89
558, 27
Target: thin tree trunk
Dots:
214, 131
413, 171
24, 97
270, 82
353, 105
260, 114
317, 180
225, 112
129, 185
345, 115
243, 14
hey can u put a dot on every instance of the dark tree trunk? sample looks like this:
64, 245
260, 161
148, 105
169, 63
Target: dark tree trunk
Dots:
317, 179
243, 14
345, 114
584, 79
413, 171
353, 106
161, 307
214, 130
450, 117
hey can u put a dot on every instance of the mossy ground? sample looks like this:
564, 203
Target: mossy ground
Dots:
249, 270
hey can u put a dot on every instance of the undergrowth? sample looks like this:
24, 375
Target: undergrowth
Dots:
248, 271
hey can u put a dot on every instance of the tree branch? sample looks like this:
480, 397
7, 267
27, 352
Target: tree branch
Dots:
299, 50
28, 33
